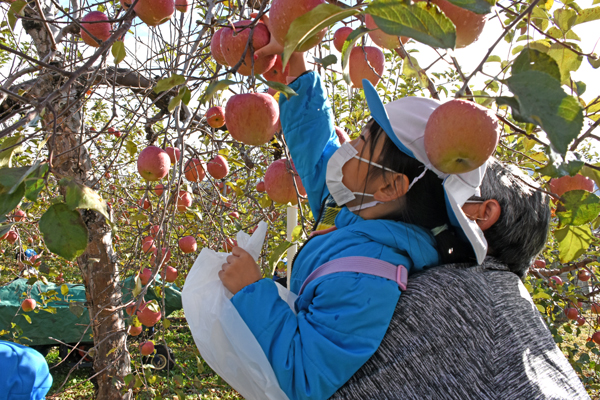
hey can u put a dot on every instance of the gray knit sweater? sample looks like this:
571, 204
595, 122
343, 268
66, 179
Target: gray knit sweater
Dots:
465, 333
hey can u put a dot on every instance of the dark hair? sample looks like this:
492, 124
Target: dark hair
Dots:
424, 203
522, 229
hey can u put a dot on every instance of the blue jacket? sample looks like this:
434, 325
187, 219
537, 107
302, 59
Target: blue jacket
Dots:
341, 317
24, 373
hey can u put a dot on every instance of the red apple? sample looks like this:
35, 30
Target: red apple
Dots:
174, 154
596, 337
277, 73
183, 5
260, 186
540, 263
134, 330
188, 244
159, 189
366, 62
555, 281
184, 200
284, 12
215, 117
572, 313
131, 307
252, 118
584, 275
595, 308
147, 316
234, 215
233, 46
381, 38
580, 321
93, 23
154, 229
169, 274
148, 244
469, 25
145, 276
460, 136
194, 170
28, 305
560, 186
279, 182
12, 237
340, 36
215, 48
165, 256
19, 215
153, 163
147, 348
145, 204
154, 12
218, 167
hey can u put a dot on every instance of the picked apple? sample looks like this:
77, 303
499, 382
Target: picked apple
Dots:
460, 136
279, 182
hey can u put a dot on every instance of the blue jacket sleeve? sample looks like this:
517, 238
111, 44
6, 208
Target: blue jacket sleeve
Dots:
309, 131
315, 352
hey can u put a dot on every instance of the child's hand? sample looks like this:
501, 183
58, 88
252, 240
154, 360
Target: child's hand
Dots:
273, 47
239, 271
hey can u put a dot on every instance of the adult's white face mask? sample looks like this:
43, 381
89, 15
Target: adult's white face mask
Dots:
334, 175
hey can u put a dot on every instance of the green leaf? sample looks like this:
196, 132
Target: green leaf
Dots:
594, 62
305, 27
586, 171
16, 8
543, 102
278, 253
326, 61
541, 295
557, 166
347, 49
6, 155
565, 18
494, 59
587, 15
27, 318
65, 233
34, 183
578, 207
280, 87
77, 309
566, 59
477, 6
573, 241
214, 87
8, 201
64, 289
169, 83
184, 95
535, 60
5, 228
421, 21
580, 87
82, 197
412, 69
138, 286
131, 148
118, 51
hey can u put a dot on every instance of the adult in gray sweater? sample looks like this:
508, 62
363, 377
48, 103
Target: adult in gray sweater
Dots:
466, 331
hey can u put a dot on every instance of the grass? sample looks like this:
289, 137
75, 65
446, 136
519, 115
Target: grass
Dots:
190, 378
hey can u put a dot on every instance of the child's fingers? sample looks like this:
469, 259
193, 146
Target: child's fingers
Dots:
237, 252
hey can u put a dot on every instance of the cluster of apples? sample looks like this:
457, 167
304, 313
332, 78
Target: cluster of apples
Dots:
151, 12
154, 164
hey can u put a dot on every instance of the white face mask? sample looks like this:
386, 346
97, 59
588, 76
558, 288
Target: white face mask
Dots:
334, 175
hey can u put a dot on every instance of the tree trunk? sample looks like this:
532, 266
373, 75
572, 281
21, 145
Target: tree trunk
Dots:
98, 265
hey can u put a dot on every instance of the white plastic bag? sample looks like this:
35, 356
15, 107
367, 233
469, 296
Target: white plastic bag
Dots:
223, 338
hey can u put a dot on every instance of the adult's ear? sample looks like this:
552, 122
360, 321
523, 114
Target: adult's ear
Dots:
484, 214
392, 188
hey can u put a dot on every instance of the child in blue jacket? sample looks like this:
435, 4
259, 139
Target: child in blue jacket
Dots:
25, 374
376, 197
